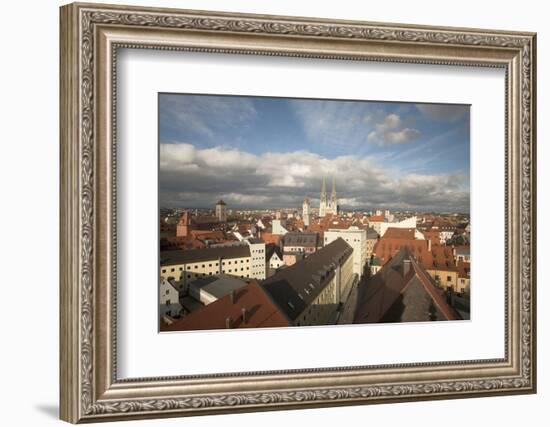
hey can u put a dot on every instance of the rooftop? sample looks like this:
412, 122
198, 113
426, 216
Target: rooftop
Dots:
386, 287
218, 286
251, 300
295, 287
176, 257
301, 239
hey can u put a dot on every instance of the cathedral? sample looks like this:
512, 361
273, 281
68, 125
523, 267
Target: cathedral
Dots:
328, 206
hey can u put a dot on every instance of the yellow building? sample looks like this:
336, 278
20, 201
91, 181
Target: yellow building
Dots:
187, 265
445, 278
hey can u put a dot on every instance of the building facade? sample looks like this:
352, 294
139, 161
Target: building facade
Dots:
278, 227
357, 239
183, 228
185, 266
372, 238
221, 211
306, 212
258, 264
169, 299
310, 292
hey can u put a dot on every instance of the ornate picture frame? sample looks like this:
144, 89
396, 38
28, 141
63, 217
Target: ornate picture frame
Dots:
90, 37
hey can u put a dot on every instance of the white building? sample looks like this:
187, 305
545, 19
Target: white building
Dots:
306, 214
278, 227
276, 260
169, 299
357, 239
258, 264
406, 223
221, 211
446, 235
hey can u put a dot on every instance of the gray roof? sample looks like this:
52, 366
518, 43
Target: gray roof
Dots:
294, 288
371, 233
272, 248
310, 240
218, 286
186, 256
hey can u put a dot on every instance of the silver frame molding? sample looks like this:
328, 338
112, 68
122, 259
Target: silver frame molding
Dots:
90, 37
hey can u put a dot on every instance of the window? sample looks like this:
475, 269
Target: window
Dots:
188, 276
167, 302
172, 270
164, 270
196, 266
181, 268
203, 266
167, 291
209, 265
448, 278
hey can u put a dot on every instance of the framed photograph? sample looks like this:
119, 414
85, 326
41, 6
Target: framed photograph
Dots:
266, 212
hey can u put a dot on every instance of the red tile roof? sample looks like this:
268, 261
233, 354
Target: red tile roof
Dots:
434, 236
386, 248
385, 287
260, 312
399, 233
270, 238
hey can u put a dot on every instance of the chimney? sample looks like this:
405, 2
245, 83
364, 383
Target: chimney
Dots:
228, 323
406, 266
244, 314
429, 245
233, 296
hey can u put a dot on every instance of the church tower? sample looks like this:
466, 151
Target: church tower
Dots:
221, 212
323, 200
306, 212
184, 225
333, 199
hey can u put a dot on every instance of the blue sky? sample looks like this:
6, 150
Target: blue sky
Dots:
272, 152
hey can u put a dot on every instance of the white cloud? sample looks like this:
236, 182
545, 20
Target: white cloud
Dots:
391, 131
192, 177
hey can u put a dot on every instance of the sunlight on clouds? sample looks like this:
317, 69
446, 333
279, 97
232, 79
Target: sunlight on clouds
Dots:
198, 177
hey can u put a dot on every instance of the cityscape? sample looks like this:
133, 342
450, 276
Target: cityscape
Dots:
277, 212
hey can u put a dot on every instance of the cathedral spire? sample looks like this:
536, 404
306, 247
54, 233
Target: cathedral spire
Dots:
333, 195
323, 191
